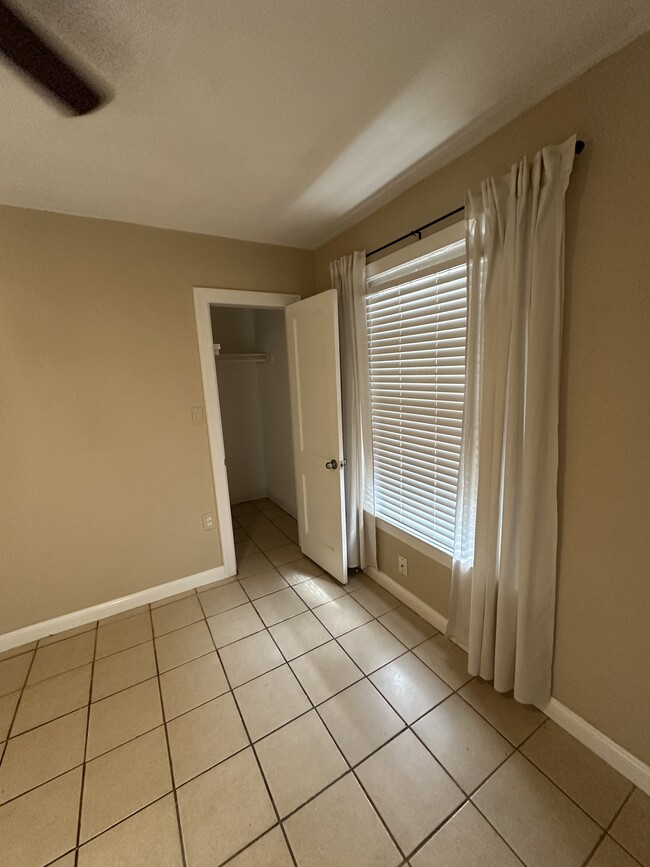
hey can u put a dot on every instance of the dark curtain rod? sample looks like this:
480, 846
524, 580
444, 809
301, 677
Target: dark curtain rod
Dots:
417, 233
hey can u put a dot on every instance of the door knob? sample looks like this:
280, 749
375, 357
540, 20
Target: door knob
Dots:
332, 465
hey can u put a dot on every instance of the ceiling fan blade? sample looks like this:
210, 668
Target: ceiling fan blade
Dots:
43, 63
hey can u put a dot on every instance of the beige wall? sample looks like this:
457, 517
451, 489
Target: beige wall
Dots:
103, 477
275, 404
239, 400
602, 660
426, 579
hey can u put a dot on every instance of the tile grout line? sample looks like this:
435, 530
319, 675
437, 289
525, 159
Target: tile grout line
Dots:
607, 834
408, 726
259, 762
43, 783
470, 795
500, 765
456, 691
345, 758
101, 833
381, 746
127, 615
250, 744
266, 628
20, 698
602, 828
172, 775
164, 723
85, 754
61, 636
293, 659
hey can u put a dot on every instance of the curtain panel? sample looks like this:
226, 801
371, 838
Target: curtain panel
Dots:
348, 276
502, 603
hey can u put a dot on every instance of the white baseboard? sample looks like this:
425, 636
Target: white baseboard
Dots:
625, 763
264, 494
290, 510
618, 758
257, 494
106, 609
409, 599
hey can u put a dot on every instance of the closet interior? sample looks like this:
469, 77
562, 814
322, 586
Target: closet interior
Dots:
253, 379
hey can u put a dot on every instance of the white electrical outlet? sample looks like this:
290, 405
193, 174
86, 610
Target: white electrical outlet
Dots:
197, 415
208, 521
402, 565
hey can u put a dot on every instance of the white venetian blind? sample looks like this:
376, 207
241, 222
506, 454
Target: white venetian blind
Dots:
417, 317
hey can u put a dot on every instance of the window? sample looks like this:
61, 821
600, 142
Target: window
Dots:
417, 317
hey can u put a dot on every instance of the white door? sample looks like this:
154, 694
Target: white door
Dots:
315, 382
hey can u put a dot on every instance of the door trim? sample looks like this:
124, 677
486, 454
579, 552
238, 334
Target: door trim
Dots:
203, 298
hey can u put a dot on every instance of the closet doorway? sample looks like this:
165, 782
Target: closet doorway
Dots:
248, 412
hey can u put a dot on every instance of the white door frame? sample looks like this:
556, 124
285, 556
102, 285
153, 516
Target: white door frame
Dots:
203, 299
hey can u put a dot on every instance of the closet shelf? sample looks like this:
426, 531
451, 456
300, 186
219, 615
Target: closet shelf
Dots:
248, 357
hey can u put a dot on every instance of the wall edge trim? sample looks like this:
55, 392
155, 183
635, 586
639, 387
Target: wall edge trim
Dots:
410, 599
279, 501
609, 751
27, 634
628, 765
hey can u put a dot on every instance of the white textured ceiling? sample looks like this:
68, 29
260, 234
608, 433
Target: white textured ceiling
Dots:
284, 121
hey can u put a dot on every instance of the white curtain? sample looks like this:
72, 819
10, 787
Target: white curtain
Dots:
348, 276
504, 564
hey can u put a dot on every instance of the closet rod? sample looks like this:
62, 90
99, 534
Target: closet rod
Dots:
417, 233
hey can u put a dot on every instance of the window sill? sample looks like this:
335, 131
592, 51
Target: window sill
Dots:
425, 548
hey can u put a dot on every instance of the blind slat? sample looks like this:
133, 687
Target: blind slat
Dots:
417, 319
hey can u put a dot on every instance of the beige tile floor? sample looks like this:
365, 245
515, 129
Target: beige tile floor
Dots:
280, 720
